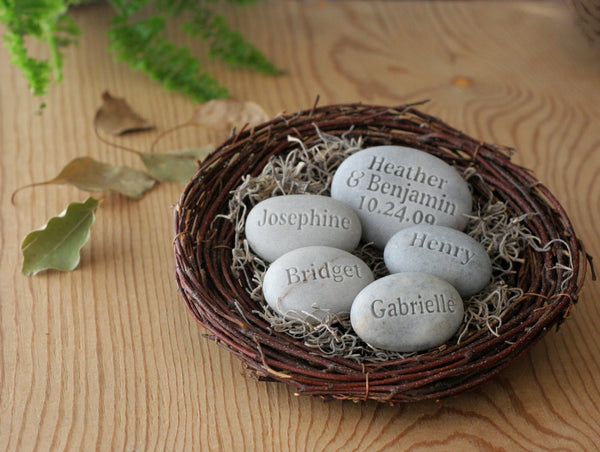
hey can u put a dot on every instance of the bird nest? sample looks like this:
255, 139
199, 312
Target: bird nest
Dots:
538, 262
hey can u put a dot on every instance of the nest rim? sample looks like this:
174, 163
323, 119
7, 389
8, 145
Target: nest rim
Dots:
219, 302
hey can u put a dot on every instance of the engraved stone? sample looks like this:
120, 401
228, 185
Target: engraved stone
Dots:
407, 312
283, 223
444, 252
394, 187
306, 283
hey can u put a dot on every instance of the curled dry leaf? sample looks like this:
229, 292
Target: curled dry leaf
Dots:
176, 166
57, 245
91, 175
116, 117
228, 113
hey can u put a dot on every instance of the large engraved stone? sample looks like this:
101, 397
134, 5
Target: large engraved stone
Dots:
394, 187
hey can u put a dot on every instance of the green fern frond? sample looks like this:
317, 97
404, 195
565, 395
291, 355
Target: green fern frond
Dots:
45, 20
139, 42
36, 72
226, 44
143, 47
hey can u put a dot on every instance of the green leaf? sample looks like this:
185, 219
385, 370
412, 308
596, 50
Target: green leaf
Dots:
177, 166
91, 175
57, 245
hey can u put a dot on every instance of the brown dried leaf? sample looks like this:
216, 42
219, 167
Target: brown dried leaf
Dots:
228, 113
116, 117
91, 175
176, 166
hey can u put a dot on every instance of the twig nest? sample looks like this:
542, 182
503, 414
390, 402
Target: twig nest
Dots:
537, 265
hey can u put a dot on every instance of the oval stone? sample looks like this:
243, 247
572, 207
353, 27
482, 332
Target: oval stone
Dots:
306, 283
283, 223
394, 187
444, 252
407, 312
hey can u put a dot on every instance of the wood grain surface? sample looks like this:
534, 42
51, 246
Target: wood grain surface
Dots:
107, 357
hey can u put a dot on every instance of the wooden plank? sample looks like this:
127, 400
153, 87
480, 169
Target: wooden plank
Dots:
108, 358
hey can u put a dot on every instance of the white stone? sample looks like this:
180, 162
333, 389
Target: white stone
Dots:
407, 312
395, 187
283, 223
443, 252
306, 283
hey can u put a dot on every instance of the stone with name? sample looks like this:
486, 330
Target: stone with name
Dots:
306, 283
283, 223
443, 252
394, 187
407, 312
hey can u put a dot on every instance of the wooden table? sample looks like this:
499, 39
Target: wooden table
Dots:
108, 358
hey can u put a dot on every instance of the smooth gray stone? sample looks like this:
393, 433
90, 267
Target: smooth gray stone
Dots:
444, 252
283, 223
306, 283
395, 187
407, 312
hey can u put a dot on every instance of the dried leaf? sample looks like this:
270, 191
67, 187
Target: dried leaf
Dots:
228, 113
88, 174
57, 244
177, 166
116, 117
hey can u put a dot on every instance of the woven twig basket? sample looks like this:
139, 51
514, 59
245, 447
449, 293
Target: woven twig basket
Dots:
204, 239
